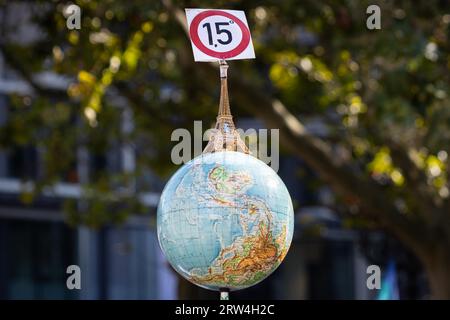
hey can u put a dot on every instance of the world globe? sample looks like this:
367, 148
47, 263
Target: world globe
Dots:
225, 220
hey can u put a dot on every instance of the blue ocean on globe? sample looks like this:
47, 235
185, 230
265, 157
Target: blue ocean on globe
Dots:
225, 220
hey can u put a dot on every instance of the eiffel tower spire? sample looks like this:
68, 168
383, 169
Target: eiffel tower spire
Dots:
224, 104
225, 137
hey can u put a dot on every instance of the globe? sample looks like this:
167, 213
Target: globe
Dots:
225, 220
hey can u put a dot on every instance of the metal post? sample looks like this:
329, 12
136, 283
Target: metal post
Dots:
224, 294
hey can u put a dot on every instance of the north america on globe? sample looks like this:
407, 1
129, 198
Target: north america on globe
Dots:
225, 220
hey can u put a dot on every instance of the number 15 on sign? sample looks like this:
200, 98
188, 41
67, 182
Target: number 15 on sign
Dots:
219, 35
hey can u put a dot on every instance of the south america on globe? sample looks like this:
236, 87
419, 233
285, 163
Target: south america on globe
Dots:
225, 219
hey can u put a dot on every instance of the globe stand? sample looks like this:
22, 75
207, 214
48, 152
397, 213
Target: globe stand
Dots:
224, 294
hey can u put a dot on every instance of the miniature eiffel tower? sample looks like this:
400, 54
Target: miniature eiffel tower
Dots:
224, 136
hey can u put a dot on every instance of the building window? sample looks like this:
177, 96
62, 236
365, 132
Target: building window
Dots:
34, 256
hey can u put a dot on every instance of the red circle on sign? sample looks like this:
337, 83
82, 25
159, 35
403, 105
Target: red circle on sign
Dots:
216, 54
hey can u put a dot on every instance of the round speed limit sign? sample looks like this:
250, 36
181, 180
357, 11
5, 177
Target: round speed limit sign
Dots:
219, 34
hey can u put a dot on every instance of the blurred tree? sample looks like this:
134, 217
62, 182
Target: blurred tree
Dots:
383, 96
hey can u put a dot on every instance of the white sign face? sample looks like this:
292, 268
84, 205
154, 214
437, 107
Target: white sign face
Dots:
219, 35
